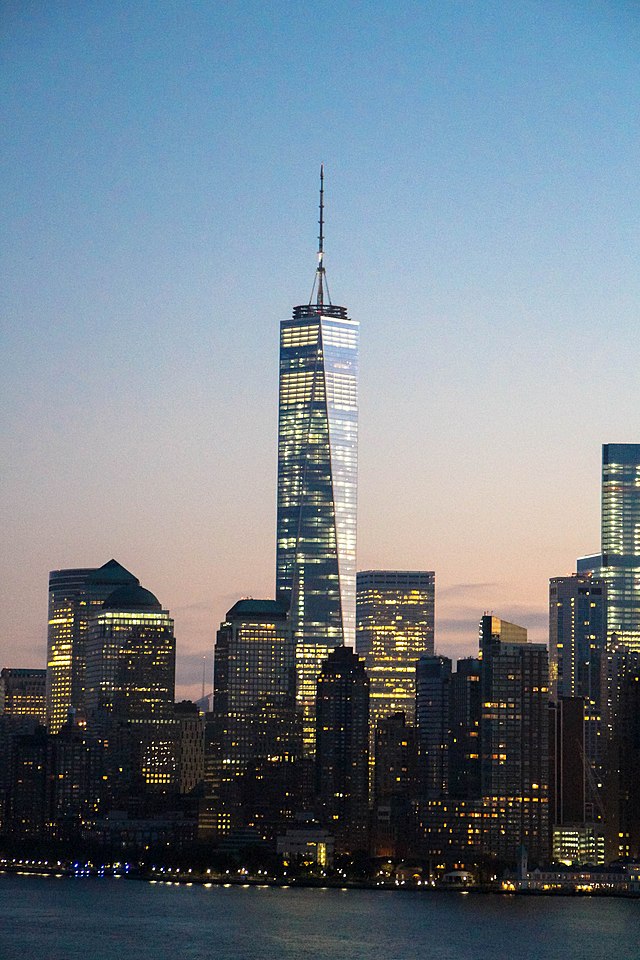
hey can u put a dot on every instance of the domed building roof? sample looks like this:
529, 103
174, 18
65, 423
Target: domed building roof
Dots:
131, 597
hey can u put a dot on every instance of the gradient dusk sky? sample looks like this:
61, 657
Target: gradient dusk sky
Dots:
159, 190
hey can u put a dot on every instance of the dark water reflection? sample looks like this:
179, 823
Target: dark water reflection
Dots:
91, 919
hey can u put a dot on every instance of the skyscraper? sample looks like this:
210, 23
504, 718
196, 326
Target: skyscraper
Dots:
621, 732
618, 563
342, 749
464, 749
395, 616
433, 722
395, 788
577, 637
448, 707
514, 741
577, 626
130, 657
317, 481
254, 745
74, 596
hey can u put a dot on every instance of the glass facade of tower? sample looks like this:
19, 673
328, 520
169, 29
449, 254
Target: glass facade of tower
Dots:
130, 665
514, 731
74, 596
577, 634
317, 489
254, 742
395, 618
621, 540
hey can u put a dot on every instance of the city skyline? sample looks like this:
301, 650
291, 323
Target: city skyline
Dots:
139, 425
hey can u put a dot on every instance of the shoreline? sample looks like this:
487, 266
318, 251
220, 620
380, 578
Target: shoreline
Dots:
288, 883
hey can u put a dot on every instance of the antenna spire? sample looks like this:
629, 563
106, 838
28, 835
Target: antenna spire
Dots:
320, 280
321, 240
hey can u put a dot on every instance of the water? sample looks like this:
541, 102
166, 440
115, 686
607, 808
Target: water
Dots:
92, 919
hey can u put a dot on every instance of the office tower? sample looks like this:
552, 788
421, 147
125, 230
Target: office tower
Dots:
514, 741
342, 749
464, 745
54, 782
394, 628
22, 693
623, 793
577, 637
29, 790
577, 628
254, 736
433, 723
130, 683
448, 709
567, 783
621, 733
395, 788
317, 482
11, 729
75, 775
74, 595
618, 563
576, 838
190, 755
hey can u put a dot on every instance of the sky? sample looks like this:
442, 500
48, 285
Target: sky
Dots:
158, 187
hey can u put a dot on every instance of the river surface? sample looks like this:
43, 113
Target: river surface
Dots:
92, 919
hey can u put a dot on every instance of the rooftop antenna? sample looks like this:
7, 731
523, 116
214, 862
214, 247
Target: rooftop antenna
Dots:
204, 664
320, 279
321, 239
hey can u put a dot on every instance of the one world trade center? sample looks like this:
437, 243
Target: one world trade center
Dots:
317, 481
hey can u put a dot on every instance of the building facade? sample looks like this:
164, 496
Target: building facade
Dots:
317, 484
394, 815
74, 596
130, 657
433, 724
514, 742
23, 693
618, 562
254, 732
577, 639
394, 628
342, 755
464, 746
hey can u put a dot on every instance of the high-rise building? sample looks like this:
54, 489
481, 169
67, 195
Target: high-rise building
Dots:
130, 657
464, 746
394, 628
577, 628
577, 638
254, 735
342, 749
621, 731
317, 482
576, 837
567, 784
618, 563
514, 741
433, 723
448, 709
22, 693
74, 596
395, 788
190, 746
11, 729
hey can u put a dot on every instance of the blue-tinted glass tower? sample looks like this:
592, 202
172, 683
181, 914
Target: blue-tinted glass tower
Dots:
618, 564
317, 482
